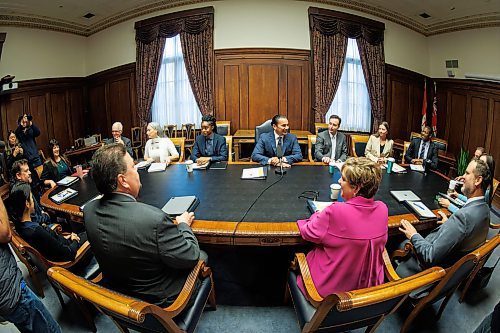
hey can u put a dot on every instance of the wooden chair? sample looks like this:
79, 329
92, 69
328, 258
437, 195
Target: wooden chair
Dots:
170, 131
406, 144
414, 135
265, 127
455, 276
493, 191
229, 144
179, 144
320, 127
311, 145
42, 155
79, 143
224, 127
39, 170
343, 311
136, 140
189, 132
131, 313
484, 253
358, 144
98, 138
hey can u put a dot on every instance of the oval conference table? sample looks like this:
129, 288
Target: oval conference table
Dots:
271, 221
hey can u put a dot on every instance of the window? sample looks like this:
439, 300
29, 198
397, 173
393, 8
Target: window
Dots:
174, 102
351, 102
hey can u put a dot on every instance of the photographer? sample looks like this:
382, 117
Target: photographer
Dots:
13, 150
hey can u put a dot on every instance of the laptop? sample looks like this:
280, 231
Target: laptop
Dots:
178, 205
401, 196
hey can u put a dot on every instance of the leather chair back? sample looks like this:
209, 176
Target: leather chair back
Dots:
224, 127
265, 127
179, 145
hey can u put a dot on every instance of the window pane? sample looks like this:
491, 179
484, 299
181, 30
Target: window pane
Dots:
351, 102
174, 102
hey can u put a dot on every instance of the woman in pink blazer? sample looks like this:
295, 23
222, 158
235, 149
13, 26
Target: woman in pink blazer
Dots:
350, 236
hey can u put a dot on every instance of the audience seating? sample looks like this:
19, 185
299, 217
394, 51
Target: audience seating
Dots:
229, 144
311, 146
455, 276
136, 140
224, 127
170, 131
34, 260
265, 127
130, 313
189, 132
179, 145
343, 311
358, 144
320, 127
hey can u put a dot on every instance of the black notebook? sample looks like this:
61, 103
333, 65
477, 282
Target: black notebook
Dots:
178, 205
221, 165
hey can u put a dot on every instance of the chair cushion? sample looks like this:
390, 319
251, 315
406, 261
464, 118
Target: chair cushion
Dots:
188, 319
303, 308
360, 148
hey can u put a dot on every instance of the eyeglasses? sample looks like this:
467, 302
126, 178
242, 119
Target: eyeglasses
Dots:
310, 195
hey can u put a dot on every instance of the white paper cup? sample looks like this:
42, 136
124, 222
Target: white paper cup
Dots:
452, 186
334, 191
79, 170
189, 165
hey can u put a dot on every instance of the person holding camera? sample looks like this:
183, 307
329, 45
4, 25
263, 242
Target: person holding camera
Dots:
13, 150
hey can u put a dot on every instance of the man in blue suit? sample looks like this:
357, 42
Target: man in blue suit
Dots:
209, 146
423, 149
265, 150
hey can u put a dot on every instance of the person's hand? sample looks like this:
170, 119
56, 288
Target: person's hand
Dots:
50, 183
407, 228
74, 237
454, 194
444, 202
203, 160
381, 160
459, 178
325, 160
119, 140
417, 161
274, 161
286, 165
16, 151
443, 216
167, 160
185, 218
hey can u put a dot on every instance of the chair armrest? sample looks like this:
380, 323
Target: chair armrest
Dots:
80, 253
56, 227
390, 272
403, 253
494, 225
300, 264
187, 290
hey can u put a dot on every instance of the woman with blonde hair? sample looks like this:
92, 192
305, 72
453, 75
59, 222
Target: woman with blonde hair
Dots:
158, 148
349, 236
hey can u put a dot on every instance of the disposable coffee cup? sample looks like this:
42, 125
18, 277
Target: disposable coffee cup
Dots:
79, 171
452, 186
189, 165
390, 163
334, 191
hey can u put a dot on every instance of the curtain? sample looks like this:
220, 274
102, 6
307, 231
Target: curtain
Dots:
173, 91
370, 37
150, 38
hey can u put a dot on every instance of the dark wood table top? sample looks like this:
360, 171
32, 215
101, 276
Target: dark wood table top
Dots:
224, 199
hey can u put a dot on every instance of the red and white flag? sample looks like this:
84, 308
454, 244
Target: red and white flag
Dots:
435, 112
424, 107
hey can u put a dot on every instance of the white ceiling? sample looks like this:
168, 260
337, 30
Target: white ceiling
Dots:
67, 15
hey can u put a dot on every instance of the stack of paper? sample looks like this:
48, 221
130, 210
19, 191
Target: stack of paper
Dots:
142, 165
155, 167
417, 167
68, 180
422, 211
254, 173
200, 167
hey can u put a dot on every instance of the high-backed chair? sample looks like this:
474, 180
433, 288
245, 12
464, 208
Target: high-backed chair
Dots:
229, 144
79, 143
131, 313
189, 132
358, 144
414, 135
179, 145
39, 170
34, 260
320, 127
224, 127
455, 275
98, 138
265, 127
311, 146
343, 311
136, 140
170, 131
493, 191
406, 144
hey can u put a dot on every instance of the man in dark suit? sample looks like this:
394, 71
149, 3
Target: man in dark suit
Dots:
140, 250
423, 149
209, 146
331, 138
463, 232
116, 131
265, 151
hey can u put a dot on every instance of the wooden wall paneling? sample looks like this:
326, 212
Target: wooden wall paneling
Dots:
76, 116
263, 93
59, 125
441, 113
456, 120
12, 107
399, 112
120, 105
38, 109
494, 147
97, 109
478, 123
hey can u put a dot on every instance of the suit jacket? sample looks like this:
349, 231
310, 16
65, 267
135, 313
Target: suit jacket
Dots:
413, 149
350, 238
126, 141
463, 232
266, 148
218, 144
140, 251
324, 146
372, 150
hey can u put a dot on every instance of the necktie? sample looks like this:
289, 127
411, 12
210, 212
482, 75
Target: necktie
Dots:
280, 142
422, 151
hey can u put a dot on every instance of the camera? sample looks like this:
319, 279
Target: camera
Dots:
28, 116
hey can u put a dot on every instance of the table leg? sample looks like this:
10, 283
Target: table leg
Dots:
236, 151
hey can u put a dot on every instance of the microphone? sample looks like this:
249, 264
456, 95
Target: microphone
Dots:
279, 154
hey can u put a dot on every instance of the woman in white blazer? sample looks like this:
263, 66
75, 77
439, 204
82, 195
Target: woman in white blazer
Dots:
379, 146
159, 149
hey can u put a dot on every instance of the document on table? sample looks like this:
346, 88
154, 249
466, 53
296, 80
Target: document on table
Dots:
420, 209
200, 167
64, 195
68, 180
155, 167
317, 206
254, 173
417, 167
